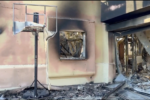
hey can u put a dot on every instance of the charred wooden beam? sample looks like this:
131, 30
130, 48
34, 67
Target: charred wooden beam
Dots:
126, 40
133, 53
112, 91
116, 55
129, 24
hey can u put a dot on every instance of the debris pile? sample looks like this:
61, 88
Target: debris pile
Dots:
136, 86
90, 91
87, 91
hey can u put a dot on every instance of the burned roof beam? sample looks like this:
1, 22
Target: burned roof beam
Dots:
129, 24
132, 31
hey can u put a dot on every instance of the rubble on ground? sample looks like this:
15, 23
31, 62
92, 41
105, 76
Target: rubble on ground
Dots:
135, 86
86, 91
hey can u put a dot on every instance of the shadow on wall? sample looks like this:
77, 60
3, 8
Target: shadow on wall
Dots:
69, 9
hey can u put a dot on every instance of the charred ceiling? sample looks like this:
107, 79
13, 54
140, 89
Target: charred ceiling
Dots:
112, 9
116, 11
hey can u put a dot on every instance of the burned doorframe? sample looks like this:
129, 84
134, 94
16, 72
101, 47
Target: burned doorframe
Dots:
124, 33
132, 26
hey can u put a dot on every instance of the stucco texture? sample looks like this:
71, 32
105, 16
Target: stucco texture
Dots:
19, 49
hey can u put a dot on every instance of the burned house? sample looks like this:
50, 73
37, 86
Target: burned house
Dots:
95, 41
77, 54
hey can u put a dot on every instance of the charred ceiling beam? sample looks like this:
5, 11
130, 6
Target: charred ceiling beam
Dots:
131, 31
129, 24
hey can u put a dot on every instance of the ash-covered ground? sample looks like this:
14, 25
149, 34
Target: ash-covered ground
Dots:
87, 91
134, 87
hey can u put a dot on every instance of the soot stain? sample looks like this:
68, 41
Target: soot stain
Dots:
63, 24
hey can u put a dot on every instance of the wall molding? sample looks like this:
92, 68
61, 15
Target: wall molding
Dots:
20, 66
